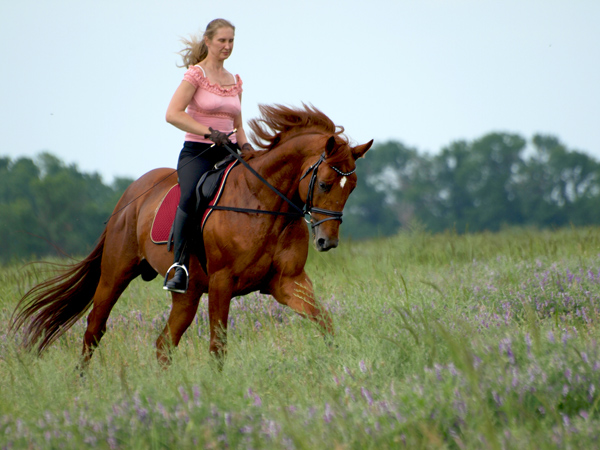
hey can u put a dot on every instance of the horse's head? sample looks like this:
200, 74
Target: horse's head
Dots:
328, 167
326, 185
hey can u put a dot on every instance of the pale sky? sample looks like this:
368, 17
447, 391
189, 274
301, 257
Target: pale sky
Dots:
90, 80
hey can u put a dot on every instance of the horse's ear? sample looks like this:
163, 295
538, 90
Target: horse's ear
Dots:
360, 150
330, 145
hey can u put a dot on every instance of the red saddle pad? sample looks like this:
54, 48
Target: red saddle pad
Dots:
163, 220
165, 214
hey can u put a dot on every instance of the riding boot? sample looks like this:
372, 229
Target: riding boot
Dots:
180, 280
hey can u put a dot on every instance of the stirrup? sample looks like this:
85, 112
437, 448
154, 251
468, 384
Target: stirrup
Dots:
187, 278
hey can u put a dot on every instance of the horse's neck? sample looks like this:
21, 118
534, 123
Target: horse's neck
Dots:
282, 168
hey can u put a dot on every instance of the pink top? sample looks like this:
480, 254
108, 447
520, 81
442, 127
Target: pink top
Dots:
212, 105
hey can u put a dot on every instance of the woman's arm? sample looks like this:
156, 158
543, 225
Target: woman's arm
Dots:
238, 124
176, 114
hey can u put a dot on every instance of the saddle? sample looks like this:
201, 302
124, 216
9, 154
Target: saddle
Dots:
208, 192
211, 185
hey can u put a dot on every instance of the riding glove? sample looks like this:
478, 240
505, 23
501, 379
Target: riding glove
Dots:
218, 137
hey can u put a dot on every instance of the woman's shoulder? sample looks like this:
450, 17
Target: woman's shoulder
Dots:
195, 75
196, 71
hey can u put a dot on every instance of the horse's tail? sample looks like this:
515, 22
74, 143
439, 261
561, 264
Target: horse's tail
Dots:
50, 308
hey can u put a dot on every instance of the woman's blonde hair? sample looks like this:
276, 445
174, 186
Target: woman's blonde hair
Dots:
195, 49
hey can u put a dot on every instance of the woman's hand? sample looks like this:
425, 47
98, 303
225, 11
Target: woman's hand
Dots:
218, 137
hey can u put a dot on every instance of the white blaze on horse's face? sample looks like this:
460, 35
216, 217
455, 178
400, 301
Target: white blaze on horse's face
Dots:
343, 182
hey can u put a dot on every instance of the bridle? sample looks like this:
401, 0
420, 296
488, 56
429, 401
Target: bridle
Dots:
308, 208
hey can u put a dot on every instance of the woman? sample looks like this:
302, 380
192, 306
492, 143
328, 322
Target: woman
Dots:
207, 106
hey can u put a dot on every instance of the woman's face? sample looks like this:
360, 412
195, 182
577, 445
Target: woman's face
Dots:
221, 45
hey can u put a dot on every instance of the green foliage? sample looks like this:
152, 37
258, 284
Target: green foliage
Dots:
48, 207
488, 184
485, 184
449, 341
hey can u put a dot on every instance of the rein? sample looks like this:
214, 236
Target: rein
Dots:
308, 207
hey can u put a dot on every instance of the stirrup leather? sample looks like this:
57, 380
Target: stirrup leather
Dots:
187, 278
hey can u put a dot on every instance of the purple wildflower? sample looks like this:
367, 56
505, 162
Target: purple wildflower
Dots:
162, 410
196, 391
452, 369
362, 366
246, 429
328, 414
184, 396
497, 398
438, 371
349, 393
367, 395
515, 380
142, 413
90, 440
568, 375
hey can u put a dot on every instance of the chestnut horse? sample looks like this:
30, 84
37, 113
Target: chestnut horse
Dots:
305, 157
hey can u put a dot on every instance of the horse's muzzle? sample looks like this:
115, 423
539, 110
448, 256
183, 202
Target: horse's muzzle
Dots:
324, 244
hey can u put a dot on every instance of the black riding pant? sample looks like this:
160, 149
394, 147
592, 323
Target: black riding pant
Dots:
195, 159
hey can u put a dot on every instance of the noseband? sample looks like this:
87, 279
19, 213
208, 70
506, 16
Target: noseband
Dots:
308, 206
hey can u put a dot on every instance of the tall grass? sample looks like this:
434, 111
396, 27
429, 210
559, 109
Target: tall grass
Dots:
442, 341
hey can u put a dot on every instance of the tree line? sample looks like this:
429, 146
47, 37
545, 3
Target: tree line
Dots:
500, 179
49, 208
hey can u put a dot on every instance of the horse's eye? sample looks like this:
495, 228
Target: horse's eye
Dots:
323, 186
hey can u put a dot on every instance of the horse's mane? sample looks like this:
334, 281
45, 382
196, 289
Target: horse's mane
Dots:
279, 122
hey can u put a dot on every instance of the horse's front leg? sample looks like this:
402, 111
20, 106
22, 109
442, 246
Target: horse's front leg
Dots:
219, 299
182, 315
297, 293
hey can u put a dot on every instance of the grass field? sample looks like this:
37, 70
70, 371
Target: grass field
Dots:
442, 341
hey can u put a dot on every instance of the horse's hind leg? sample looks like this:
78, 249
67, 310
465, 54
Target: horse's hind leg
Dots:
109, 289
297, 293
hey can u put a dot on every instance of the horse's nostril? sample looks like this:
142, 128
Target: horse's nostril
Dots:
321, 242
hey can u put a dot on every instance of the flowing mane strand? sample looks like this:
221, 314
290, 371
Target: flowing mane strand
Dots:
279, 122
